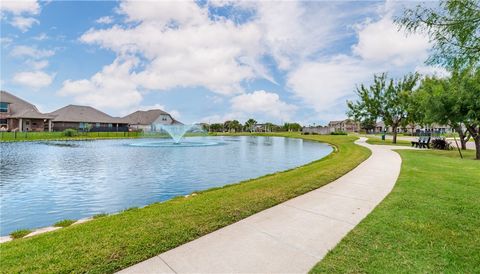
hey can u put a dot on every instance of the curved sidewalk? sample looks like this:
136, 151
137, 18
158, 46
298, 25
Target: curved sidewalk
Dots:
290, 237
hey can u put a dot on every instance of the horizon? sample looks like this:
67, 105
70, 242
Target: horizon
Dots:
275, 62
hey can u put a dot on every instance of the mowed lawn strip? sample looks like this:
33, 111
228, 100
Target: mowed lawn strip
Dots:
377, 141
111, 243
429, 223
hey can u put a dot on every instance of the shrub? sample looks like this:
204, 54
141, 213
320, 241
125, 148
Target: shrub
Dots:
338, 133
70, 132
100, 215
64, 223
20, 233
440, 143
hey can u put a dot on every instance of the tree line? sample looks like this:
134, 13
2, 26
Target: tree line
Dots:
250, 126
454, 29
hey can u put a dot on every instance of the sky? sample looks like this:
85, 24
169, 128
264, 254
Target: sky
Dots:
205, 61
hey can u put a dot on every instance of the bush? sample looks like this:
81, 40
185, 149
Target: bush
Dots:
338, 133
64, 223
20, 233
440, 143
69, 132
100, 215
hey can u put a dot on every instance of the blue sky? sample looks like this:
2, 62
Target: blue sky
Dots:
204, 61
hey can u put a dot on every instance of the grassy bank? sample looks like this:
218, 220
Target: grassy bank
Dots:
111, 243
429, 223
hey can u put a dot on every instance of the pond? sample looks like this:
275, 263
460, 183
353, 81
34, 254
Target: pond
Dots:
44, 182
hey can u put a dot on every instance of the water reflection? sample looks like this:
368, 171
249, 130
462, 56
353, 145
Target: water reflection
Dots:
44, 182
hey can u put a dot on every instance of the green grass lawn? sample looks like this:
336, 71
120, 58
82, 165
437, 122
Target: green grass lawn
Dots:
377, 141
108, 244
430, 223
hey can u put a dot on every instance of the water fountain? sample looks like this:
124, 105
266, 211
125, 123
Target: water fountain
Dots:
176, 132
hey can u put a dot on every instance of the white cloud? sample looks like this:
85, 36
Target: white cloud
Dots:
432, 71
292, 31
33, 79
37, 65
23, 23
322, 84
183, 46
112, 88
20, 7
382, 41
105, 20
325, 84
42, 36
6, 41
19, 10
32, 52
262, 102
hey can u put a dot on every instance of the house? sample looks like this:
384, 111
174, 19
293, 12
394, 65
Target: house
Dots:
19, 115
414, 129
86, 118
145, 120
346, 125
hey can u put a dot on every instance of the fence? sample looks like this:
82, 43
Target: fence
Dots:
11, 136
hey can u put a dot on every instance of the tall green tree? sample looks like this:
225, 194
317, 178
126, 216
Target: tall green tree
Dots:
233, 126
250, 124
455, 101
292, 127
453, 27
216, 127
387, 99
438, 99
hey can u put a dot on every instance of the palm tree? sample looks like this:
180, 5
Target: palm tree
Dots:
250, 124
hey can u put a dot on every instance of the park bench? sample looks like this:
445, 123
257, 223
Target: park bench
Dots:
422, 142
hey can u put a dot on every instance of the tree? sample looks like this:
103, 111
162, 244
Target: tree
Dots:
455, 101
368, 125
385, 99
250, 124
292, 127
453, 27
233, 126
439, 102
467, 84
216, 127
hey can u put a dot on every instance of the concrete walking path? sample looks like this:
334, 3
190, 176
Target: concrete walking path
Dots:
290, 237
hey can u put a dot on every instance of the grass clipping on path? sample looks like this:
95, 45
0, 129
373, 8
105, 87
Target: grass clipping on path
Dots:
430, 223
108, 244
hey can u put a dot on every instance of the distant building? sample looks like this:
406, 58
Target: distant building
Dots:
19, 115
86, 118
145, 120
321, 130
414, 129
346, 125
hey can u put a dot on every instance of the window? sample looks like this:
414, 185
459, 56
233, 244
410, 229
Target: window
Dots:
3, 121
3, 107
110, 125
82, 125
97, 125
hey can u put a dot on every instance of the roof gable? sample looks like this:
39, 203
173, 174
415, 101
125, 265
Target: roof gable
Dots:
20, 108
87, 114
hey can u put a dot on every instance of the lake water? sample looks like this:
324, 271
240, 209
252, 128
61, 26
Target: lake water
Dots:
45, 182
